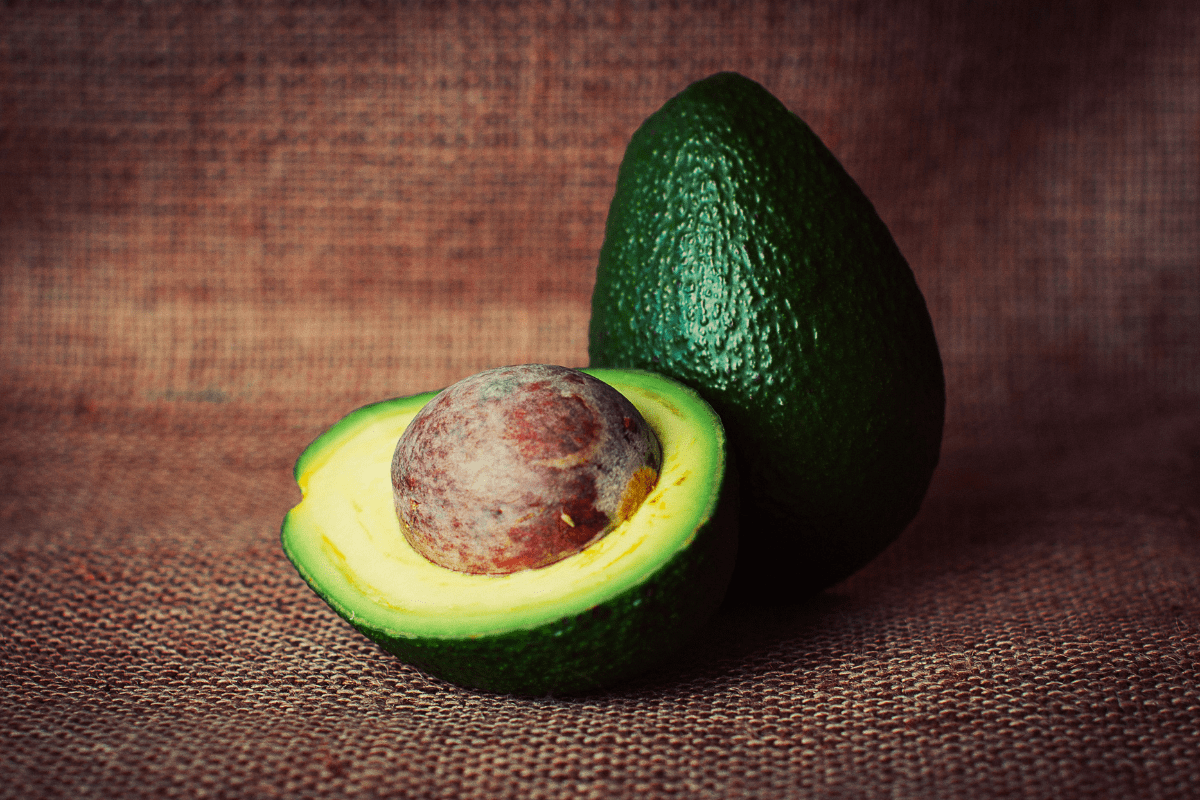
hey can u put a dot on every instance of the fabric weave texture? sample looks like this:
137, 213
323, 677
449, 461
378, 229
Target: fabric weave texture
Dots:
225, 225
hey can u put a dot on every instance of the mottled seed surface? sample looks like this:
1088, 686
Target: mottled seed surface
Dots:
519, 467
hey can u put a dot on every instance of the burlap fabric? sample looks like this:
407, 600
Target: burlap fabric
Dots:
224, 225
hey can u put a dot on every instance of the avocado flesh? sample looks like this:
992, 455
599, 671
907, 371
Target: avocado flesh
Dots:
741, 259
603, 614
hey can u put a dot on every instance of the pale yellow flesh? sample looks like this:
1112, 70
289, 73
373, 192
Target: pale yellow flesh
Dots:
348, 521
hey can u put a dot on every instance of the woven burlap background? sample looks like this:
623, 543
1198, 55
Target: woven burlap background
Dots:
223, 225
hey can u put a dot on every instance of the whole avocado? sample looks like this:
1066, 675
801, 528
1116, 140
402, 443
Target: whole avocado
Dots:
741, 259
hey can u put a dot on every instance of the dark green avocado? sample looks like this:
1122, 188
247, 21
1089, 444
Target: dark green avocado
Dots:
588, 621
741, 259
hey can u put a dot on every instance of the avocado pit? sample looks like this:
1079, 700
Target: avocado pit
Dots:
520, 467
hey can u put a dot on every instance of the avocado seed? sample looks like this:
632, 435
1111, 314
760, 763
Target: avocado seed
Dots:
519, 467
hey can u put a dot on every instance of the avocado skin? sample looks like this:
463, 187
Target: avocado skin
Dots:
603, 646
741, 259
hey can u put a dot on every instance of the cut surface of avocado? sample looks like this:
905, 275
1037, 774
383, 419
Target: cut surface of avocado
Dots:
581, 623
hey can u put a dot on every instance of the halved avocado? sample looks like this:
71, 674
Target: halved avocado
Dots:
599, 616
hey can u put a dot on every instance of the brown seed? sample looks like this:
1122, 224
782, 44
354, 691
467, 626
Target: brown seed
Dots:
519, 467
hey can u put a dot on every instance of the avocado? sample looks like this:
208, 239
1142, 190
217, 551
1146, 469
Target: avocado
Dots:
741, 259
611, 610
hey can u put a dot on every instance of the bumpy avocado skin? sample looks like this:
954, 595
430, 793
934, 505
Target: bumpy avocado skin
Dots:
741, 259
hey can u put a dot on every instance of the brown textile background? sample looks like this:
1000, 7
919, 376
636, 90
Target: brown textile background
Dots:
224, 225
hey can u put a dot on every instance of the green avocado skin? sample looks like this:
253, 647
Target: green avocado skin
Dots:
603, 646
741, 259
